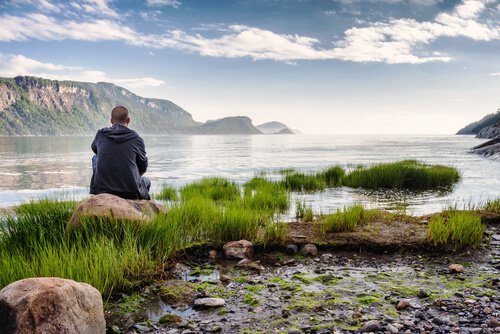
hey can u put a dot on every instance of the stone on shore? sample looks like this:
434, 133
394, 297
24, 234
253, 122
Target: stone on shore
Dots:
209, 302
51, 305
309, 250
242, 249
456, 268
111, 206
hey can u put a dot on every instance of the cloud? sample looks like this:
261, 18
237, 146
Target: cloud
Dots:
395, 41
14, 65
171, 3
495, 74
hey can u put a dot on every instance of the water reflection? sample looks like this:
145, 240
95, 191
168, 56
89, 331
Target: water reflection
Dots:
49, 166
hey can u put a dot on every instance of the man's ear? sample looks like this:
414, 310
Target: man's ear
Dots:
111, 120
128, 120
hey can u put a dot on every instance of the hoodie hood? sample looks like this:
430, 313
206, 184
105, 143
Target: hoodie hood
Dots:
118, 133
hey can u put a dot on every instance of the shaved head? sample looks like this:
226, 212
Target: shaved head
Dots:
119, 115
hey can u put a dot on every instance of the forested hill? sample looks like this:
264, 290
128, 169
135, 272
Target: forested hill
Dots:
486, 124
36, 106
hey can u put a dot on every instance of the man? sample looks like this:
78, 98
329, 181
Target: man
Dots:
120, 160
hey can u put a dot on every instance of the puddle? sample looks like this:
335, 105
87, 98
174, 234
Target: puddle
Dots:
156, 308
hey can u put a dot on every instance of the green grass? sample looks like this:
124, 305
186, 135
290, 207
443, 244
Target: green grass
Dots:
460, 229
215, 188
333, 176
168, 193
407, 174
308, 182
493, 206
303, 212
344, 221
262, 194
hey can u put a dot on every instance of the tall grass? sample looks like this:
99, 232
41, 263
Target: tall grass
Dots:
460, 229
215, 188
345, 220
262, 194
167, 193
333, 176
493, 206
407, 174
296, 181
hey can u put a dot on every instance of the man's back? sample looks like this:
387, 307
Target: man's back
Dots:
121, 160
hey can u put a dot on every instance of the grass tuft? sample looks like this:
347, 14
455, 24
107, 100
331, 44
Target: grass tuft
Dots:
460, 229
344, 221
168, 193
215, 188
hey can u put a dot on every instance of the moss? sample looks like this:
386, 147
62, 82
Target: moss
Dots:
367, 300
255, 288
302, 278
131, 304
177, 292
250, 299
170, 319
329, 280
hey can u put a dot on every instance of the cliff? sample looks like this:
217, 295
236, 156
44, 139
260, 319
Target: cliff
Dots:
485, 122
488, 127
36, 106
274, 128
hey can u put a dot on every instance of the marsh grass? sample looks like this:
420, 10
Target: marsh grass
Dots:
308, 182
459, 229
333, 176
262, 194
345, 220
492, 206
215, 188
167, 193
407, 174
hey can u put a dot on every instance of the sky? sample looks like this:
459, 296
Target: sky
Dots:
320, 66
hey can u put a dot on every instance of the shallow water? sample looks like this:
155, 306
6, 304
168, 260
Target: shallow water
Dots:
34, 167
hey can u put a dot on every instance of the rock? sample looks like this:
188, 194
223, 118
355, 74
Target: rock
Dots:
294, 331
178, 293
309, 250
209, 302
371, 326
51, 305
212, 254
111, 206
493, 323
291, 249
225, 278
249, 264
402, 305
238, 249
326, 257
391, 329
170, 318
456, 268
422, 294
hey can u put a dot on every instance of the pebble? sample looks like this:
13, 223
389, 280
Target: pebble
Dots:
209, 302
390, 328
309, 250
292, 249
371, 326
402, 305
456, 268
225, 278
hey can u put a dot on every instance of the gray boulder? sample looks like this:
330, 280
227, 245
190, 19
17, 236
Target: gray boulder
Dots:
242, 249
51, 306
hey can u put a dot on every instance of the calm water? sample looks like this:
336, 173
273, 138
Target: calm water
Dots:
34, 167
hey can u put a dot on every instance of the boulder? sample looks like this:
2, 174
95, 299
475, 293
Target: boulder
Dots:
242, 249
455, 268
209, 302
51, 305
309, 250
111, 206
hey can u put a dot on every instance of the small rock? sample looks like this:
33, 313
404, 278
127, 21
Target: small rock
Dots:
209, 302
309, 250
493, 323
456, 268
294, 331
225, 278
326, 257
238, 249
249, 264
142, 329
289, 262
402, 305
419, 315
496, 237
475, 330
212, 254
424, 222
371, 326
390, 328
422, 294
291, 249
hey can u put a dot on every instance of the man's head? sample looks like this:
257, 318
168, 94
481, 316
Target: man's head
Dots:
119, 115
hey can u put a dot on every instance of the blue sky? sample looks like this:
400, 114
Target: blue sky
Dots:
322, 66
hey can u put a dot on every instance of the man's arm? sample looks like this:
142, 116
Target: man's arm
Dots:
141, 160
94, 145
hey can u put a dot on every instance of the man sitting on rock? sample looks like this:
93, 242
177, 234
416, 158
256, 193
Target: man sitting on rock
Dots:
120, 160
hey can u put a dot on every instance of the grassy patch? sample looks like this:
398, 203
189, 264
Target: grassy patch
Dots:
308, 182
333, 176
167, 193
215, 188
262, 194
344, 221
407, 174
460, 229
493, 206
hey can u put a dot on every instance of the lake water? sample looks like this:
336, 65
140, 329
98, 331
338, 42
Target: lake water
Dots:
59, 167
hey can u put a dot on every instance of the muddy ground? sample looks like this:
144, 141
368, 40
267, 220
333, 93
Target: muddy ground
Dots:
370, 281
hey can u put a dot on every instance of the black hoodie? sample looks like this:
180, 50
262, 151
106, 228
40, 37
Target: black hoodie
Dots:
121, 160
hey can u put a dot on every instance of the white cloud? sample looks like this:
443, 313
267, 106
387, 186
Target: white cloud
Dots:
14, 65
394, 41
495, 74
171, 3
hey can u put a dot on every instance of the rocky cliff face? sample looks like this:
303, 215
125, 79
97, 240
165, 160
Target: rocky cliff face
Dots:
227, 126
489, 132
36, 106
